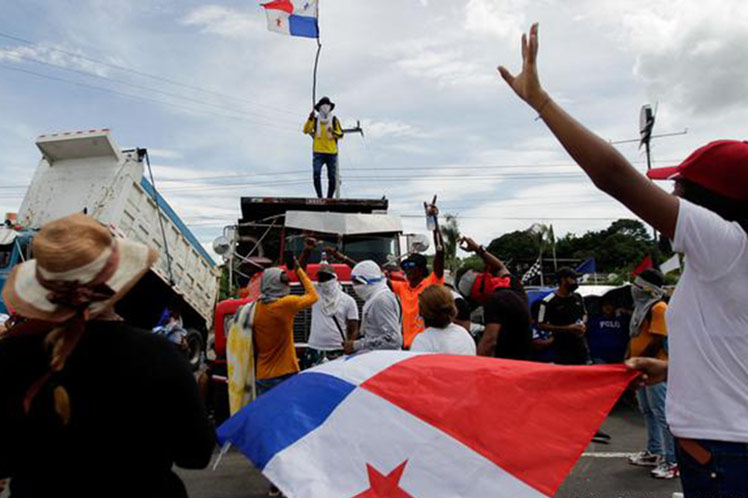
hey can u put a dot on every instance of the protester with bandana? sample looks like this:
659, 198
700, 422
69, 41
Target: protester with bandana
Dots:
706, 217
273, 325
334, 315
381, 317
648, 332
91, 406
325, 129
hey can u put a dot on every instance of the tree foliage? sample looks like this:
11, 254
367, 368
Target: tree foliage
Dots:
617, 248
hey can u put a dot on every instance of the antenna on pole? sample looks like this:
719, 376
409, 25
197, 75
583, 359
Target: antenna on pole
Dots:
647, 117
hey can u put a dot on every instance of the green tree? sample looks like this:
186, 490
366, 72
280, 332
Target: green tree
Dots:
451, 232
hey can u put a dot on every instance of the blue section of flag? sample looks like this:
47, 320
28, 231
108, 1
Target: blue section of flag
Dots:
279, 418
588, 266
303, 26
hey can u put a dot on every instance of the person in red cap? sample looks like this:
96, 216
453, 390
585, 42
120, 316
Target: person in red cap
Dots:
707, 220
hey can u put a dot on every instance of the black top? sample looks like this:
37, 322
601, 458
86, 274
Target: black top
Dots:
568, 348
508, 308
135, 411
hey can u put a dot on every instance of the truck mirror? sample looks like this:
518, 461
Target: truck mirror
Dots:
418, 243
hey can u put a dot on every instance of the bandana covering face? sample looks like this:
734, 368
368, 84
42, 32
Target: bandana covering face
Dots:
645, 296
324, 118
329, 296
271, 287
368, 282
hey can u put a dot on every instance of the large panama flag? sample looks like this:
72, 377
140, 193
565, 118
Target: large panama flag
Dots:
399, 424
293, 17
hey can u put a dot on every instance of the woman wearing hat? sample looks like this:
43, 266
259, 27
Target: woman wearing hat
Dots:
325, 129
707, 220
90, 405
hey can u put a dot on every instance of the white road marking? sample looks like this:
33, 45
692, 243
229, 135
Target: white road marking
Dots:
595, 454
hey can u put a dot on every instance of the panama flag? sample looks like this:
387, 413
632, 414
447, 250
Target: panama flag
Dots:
400, 424
293, 17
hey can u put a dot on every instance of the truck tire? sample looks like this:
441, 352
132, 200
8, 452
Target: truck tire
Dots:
195, 349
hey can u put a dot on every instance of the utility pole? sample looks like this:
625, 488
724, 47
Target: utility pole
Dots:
646, 126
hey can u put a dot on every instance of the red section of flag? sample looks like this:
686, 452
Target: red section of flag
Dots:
533, 420
284, 5
645, 264
381, 486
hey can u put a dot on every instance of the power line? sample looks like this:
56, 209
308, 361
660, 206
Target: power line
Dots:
137, 97
133, 85
144, 74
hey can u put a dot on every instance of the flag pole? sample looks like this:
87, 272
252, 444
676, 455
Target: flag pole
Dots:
316, 63
314, 78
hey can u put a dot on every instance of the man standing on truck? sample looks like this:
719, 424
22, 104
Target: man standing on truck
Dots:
325, 129
418, 279
334, 315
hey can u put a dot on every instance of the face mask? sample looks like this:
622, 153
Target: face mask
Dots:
572, 287
325, 109
640, 296
327, 288
361, 291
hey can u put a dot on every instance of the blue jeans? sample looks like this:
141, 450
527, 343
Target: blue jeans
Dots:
320, 159
725, 475
652, 405
265, 385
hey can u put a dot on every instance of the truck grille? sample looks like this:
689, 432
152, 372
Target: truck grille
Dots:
303, 322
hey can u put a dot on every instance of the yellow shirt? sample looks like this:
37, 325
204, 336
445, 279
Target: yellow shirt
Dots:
651, 329
273, 331
412, 321
324, 144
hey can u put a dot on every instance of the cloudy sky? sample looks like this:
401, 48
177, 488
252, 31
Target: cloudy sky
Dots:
219, 101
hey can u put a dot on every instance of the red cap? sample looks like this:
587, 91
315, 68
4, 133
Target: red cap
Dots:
720, 166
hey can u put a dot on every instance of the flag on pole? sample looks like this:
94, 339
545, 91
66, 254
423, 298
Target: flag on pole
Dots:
293, 17
401, 424
670, 265
532, 272
588, 266
643, 265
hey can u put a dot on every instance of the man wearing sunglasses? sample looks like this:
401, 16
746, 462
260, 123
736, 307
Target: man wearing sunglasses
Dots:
418, 279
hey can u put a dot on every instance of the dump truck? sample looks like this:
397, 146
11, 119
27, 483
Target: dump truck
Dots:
86, 172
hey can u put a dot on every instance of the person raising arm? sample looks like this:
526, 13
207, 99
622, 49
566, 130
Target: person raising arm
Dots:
606, 167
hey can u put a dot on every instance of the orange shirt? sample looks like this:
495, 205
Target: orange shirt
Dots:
273, 331
412, 321
656, 326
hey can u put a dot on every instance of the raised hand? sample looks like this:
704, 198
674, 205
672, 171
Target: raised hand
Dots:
527, 84
469, 245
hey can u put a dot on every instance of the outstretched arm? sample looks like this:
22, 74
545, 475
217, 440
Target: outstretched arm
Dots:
438, 241
493, 264
605, 166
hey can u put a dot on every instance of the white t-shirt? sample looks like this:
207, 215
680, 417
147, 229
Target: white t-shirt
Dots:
324, 334
450, 340
708, 329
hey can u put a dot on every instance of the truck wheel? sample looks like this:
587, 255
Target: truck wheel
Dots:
195, 348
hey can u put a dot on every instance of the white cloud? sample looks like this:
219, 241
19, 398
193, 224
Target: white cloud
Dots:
225, 21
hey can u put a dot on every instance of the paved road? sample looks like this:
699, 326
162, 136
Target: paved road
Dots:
602, 473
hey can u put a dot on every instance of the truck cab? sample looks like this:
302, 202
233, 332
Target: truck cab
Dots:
262, 243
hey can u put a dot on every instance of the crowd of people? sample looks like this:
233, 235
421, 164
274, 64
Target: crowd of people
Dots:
96, 407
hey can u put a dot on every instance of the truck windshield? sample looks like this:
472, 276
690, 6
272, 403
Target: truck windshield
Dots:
375, 248
6, 251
